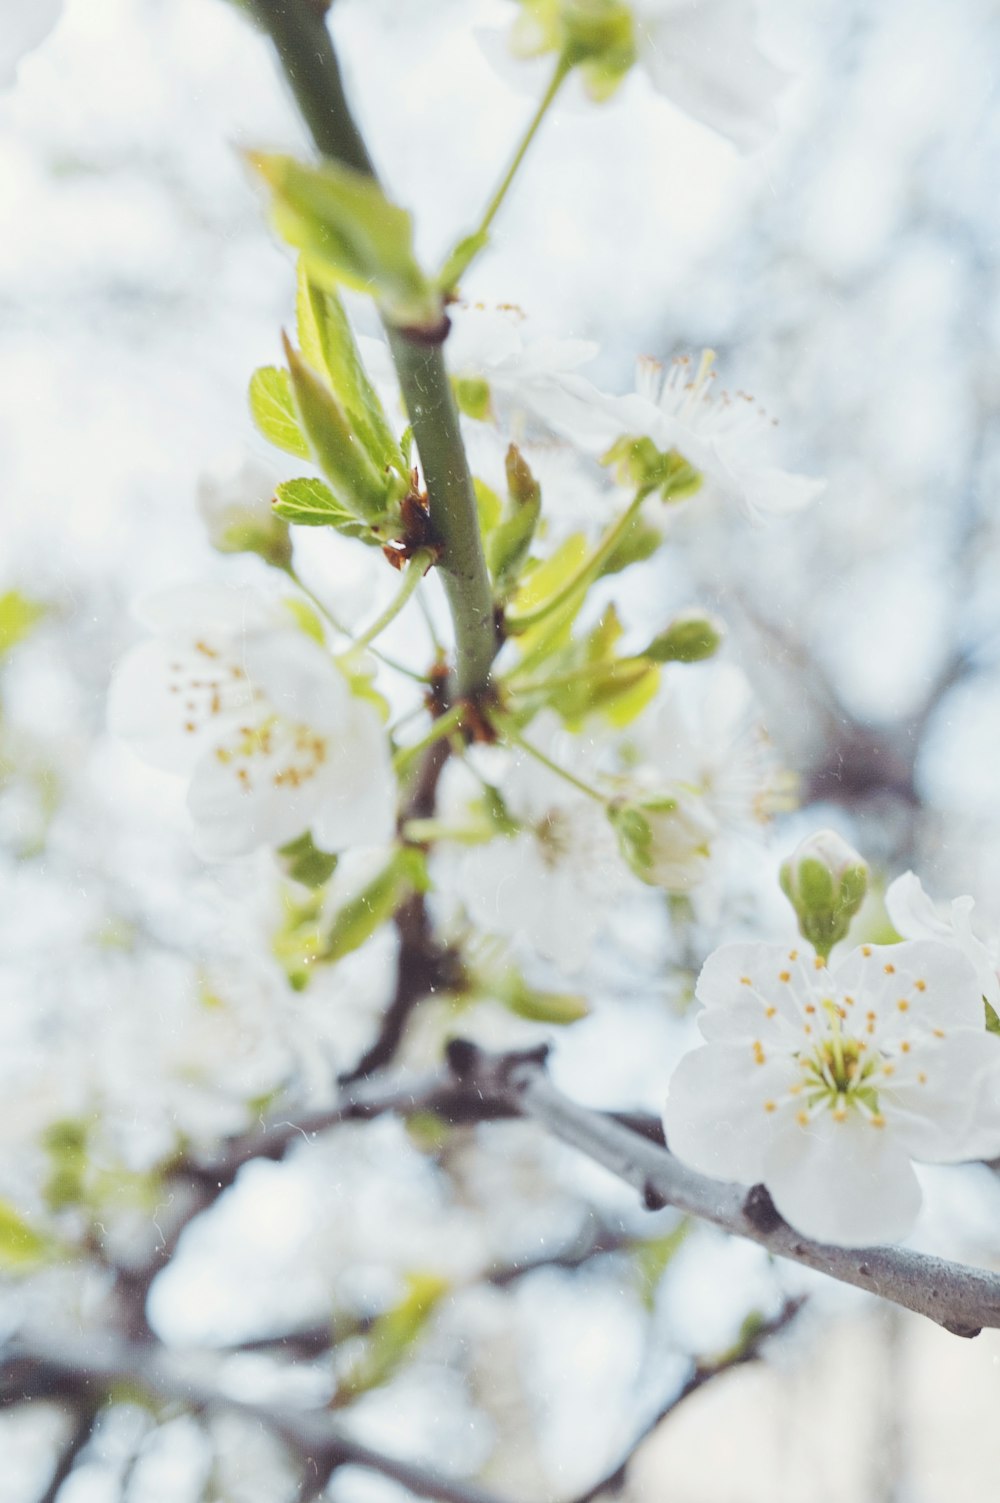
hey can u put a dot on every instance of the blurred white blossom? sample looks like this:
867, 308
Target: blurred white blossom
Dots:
261, 719
24, 25
728, 438
915, 916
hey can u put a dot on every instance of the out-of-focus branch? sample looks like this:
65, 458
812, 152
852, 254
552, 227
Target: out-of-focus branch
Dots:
39, 1367
702, 1373
595, 1240
83, 1428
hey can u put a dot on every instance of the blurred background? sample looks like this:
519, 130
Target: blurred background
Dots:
846, 277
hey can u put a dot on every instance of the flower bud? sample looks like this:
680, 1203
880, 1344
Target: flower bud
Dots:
825, 880
666, 838
690, 637
235, 501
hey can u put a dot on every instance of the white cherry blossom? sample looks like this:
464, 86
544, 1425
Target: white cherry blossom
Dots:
728, 438
550, 883
915, 916
235, 500
824, 1084
231, 693
703, 56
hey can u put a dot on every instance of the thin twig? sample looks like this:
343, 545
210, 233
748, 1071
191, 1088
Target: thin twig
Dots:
701, 1374
76, 1441
39, 1365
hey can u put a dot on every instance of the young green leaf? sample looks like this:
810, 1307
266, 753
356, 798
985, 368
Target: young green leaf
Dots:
273, 410
357, 921
309, 502
350, 233
20, 1245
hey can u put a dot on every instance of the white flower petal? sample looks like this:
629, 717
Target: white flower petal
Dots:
256, 789
169, 698
850, 1183
24, 25
724, 1110
747, 987
298, 678
942, 1101
360, 790
916, 985
193, 609
702, 54
916, 916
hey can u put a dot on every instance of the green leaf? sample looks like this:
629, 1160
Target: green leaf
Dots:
357, 921
542, 583
309, 502
392, 1336
360, 486
18, 615
992, 1020
488, 505
21, 1247
304, 862
350, 233
328, 345
273, 410
459, 259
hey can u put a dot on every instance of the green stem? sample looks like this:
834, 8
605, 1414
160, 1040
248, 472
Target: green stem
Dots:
442, 726
325, 611
584, 576
513, 735
563, 680
415, 571
305, 51
562, 72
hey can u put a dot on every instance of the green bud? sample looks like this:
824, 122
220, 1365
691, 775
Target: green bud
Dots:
508, 544
691, 637
639, 464
599, 37
665, 838
357, 483
825, 880
236, 505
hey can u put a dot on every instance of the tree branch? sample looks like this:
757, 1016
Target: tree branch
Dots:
749, 1350
77, 1439
40, 1367
309, 61
958, 1297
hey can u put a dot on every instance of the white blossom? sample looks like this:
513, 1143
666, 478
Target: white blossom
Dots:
24, 25
261, 719
235, 500
550, 882
702, 55
701, 742
915, 916
728, 438
823, 1084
